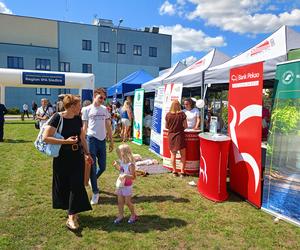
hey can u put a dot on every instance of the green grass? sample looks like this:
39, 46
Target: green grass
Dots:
172, 214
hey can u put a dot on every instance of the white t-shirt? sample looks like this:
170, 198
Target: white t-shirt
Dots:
41, 111
25, 107
96, 118
191, 117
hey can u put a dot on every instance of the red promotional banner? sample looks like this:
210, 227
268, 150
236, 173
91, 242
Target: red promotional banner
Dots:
244, 122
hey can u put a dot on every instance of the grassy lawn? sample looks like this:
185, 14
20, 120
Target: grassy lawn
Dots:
172, 214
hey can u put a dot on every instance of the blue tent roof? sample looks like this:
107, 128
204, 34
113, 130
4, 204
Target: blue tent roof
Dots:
129, 83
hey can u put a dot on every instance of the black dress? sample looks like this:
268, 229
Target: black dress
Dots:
68, 191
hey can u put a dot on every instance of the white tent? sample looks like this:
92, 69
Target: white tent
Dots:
158, 81
271, 51
192, 76
43, 79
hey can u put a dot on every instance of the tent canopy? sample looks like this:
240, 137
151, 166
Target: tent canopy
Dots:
129, 83
192, 76
158, 81
271, 51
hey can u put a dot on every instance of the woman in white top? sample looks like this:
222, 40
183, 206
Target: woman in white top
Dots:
192, 114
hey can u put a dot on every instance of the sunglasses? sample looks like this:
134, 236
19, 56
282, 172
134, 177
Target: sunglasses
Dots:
102, 98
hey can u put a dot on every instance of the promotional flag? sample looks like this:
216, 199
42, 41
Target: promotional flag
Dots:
245, 126
138, 114
281, 191
155, 137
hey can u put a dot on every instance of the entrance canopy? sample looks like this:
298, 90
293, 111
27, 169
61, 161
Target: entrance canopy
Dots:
129, 83
271, 51
158, 81
43, 79
192, 76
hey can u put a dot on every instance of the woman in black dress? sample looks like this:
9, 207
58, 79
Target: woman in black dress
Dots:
176, 123
68, 191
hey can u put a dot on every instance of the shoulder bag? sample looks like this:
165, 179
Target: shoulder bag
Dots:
51, 150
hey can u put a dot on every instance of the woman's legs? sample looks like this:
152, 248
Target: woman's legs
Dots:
183, 159
173, 161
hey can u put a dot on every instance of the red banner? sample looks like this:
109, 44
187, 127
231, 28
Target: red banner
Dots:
244, 122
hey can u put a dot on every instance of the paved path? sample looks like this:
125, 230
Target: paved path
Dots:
16, 117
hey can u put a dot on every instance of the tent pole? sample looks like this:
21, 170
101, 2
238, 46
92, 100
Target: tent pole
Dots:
2, 94
202, 110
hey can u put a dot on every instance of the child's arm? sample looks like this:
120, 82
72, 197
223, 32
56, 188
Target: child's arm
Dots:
132, 174
116, 165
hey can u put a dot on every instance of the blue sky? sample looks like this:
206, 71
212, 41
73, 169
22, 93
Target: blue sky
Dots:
232, 26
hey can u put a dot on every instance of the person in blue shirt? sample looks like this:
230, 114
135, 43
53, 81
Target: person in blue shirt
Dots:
3, 111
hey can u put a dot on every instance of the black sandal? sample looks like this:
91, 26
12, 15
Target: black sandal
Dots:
175, 174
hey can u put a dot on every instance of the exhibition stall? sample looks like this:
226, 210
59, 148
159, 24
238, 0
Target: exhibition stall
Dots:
129, 83
159, 81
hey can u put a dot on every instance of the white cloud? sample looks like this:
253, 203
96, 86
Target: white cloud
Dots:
167, 8
188, 39
189, 60
240, 16
4, 9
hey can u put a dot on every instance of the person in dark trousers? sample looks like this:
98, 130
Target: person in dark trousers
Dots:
3, 111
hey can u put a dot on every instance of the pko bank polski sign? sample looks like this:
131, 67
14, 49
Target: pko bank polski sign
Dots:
43, 79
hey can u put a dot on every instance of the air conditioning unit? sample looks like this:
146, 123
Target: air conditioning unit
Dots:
155, 30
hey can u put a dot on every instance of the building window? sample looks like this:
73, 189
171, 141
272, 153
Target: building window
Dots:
104, 47
42, 64
43, 91
121, 48
137, 50
152, 51
86, 68
64, 67
15, 62
64, 91
86, 44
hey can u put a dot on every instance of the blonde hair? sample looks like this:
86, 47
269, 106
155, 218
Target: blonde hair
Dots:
175, 107
126, 105
70, 100
124, 153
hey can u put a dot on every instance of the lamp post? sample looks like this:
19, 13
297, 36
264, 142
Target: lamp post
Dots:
120, 21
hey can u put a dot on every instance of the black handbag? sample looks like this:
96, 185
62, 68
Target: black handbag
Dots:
37, 124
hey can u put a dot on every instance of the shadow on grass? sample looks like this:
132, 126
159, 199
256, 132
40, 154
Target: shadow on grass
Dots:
15, 141
146, 223
141, 199
234, 197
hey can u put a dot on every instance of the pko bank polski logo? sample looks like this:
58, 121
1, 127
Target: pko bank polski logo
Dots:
287, 77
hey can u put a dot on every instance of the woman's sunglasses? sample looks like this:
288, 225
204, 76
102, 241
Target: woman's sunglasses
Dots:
102, 98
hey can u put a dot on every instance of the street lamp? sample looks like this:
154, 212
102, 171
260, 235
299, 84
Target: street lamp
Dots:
120, 21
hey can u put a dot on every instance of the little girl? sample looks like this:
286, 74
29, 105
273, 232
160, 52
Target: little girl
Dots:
124, 183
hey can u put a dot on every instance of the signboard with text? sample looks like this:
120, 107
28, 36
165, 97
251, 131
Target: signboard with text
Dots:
155, 138
43, 79
245, 123
172, 91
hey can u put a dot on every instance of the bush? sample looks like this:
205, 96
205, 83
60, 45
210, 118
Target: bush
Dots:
13, 111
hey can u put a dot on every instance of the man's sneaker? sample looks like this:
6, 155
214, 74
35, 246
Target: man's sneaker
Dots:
95, 199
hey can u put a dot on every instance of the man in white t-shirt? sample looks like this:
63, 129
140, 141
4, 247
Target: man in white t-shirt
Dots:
192, 114
25, 110
97, 124
44, 112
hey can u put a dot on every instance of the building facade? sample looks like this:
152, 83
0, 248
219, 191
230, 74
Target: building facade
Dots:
108, 51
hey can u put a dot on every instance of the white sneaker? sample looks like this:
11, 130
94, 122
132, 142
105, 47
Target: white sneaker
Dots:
90, 184
95, 199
